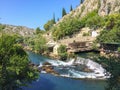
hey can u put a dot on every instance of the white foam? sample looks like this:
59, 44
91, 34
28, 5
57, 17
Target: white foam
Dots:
59, 63
98, 70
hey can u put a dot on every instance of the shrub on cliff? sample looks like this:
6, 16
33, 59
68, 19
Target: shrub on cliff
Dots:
62, 52
111, 32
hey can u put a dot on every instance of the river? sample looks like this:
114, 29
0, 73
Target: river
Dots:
51, 82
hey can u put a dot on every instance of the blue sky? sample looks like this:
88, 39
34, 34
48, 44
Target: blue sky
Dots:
33, 13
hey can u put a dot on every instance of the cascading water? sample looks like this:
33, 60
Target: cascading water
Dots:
66, 69
90, 64
72, 68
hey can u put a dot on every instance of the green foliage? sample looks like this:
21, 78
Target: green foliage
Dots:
119, 49
112, 29
40, 44
93, 20
95, 46
37, 43
57, 19
63, 12
109, 8
109, 36
112, 21
49, 24
38, 30
82, 8
54, 19
71, 8
99, 4
62, 52
72, 55
14, 64
111, 33
86, 34
67, 28
113, 67
81, 1
2, 27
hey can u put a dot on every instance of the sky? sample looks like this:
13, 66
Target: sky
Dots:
33, 13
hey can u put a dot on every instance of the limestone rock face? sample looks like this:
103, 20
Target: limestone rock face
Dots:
21, 30
104, 7
88, 6
55, 49
109, 7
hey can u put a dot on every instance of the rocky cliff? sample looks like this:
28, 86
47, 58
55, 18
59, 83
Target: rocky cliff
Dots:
104, 7
21, 30
86, 22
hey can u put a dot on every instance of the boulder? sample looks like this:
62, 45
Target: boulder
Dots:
47, 63
48, 68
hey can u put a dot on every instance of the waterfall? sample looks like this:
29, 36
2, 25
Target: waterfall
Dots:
72, 68
91, 65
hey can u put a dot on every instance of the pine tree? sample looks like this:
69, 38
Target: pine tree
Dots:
63, 12
54, 18
71, 8
81, 1
57, 19
38, 30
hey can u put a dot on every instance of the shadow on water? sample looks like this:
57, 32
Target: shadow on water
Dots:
41, 84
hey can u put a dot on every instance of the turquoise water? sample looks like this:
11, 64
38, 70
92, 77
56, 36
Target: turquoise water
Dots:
50, 82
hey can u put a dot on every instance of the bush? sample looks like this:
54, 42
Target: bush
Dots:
62, 52
112, 29
72, 25
2, 27
119, 49
63, 56
86, 34
67, 28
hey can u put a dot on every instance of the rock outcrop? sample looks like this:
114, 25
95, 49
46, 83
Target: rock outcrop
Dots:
48, 68
109, 7
21, 30
104, 7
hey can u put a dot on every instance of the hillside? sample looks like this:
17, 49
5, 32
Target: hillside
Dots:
95, 14
21, 30
104, 7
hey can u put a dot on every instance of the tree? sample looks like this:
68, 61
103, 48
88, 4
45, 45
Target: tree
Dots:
113, 67
40, 44
81, 1
2, 27
14, 65
62, 52
63, 12
49, 25
38, 30
71, 8
54, 19
57, 19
